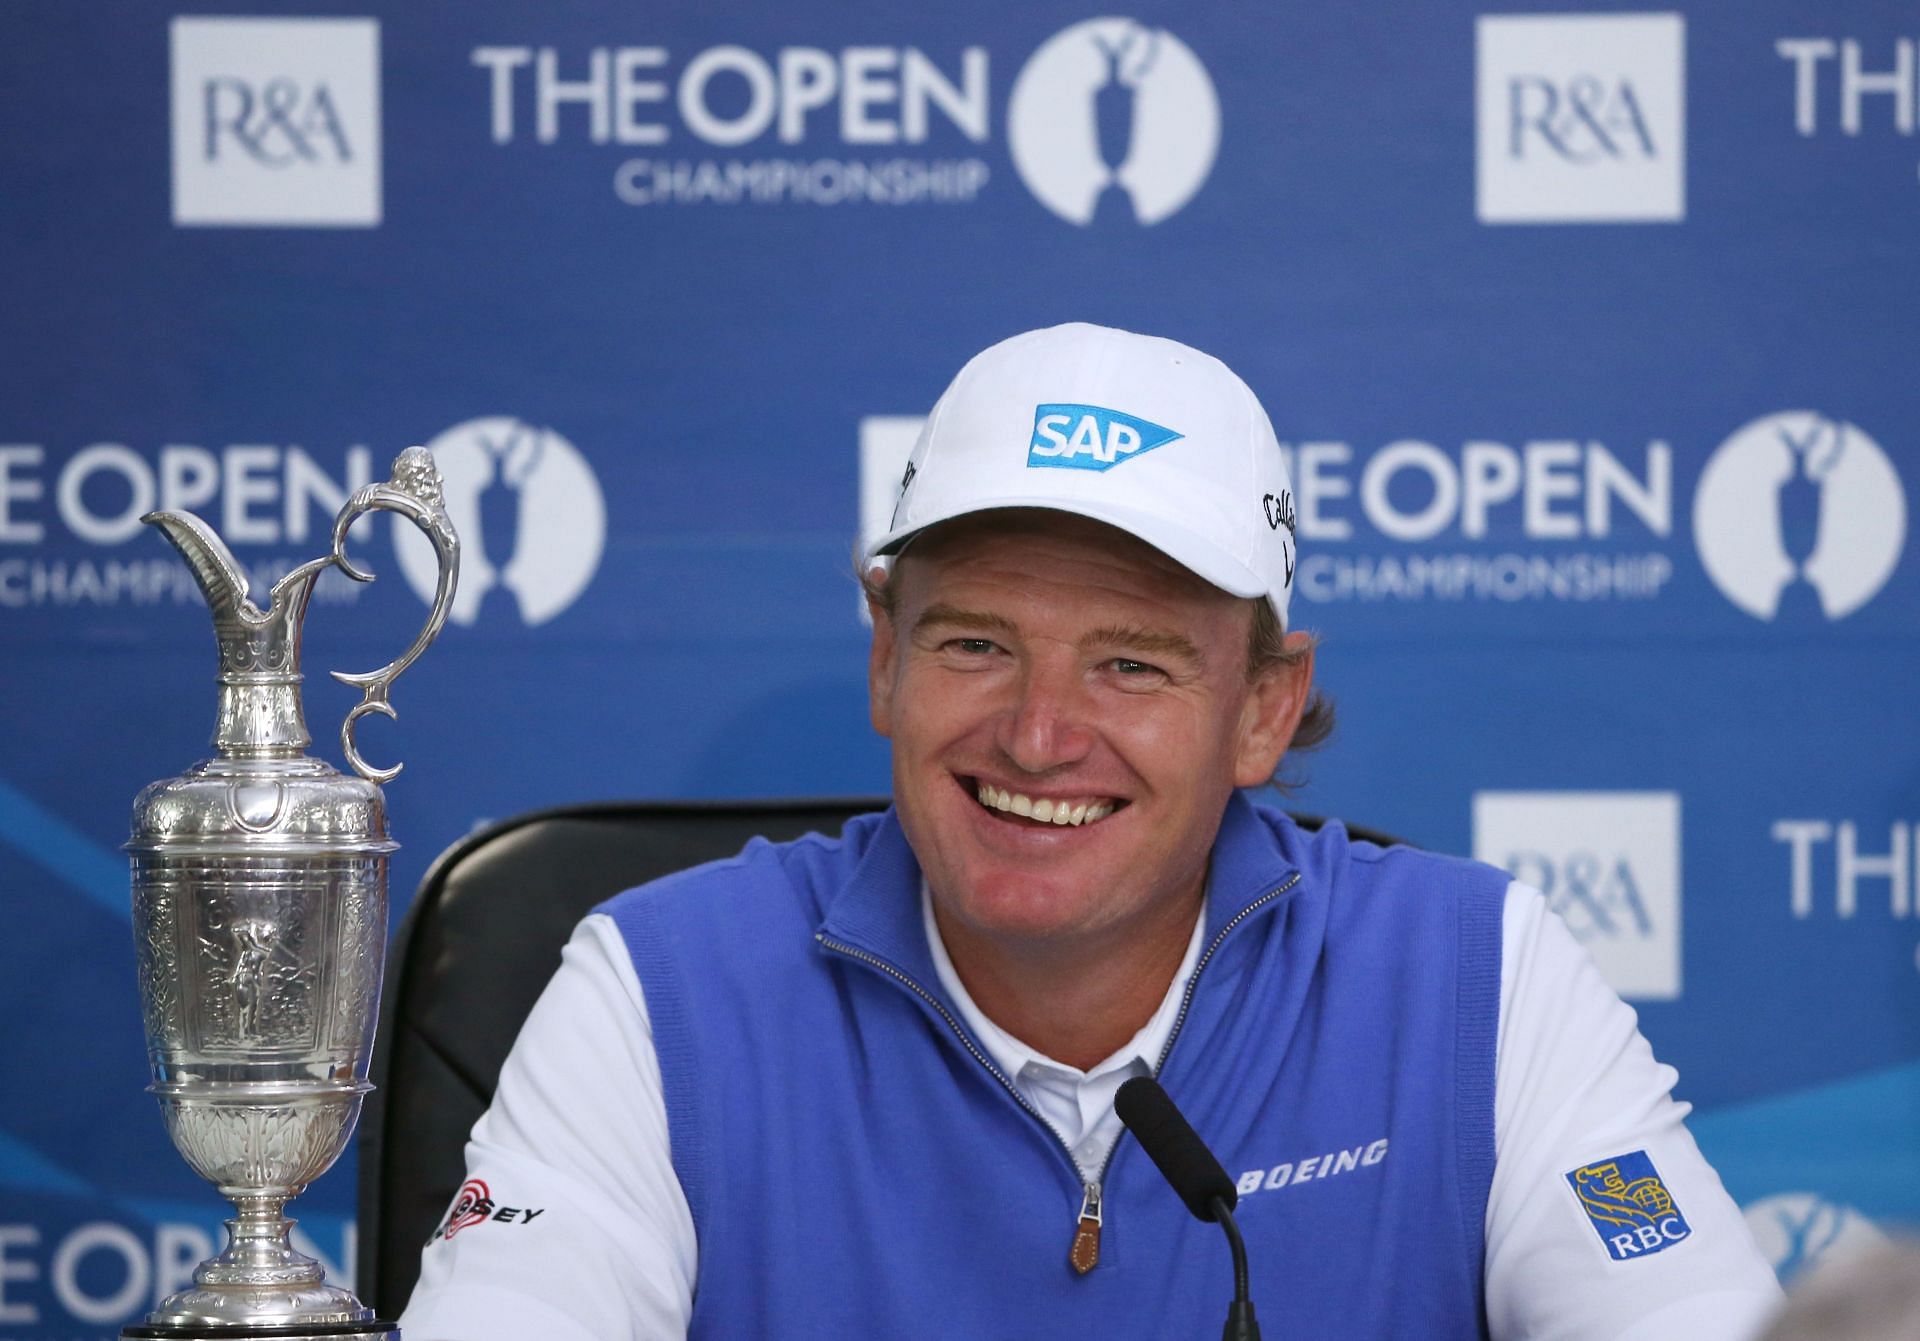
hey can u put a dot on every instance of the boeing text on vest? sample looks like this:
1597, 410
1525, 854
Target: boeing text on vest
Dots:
1091, 437
1629, 1206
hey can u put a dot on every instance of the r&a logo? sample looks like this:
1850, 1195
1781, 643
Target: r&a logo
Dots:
1091, 437
1581, 118
276, 121
1608, 863
1111, 118
1795, 498
529, 509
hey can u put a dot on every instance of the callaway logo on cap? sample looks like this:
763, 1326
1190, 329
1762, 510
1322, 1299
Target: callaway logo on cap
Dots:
1144, 434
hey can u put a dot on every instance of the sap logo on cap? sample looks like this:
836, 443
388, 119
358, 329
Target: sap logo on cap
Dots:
1091, 437
1796, 506
531, 520
1628, 1206
1113, 119
1608, 863
276, 121
1581, 118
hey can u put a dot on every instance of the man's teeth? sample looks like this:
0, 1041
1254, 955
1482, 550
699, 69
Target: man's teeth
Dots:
1046, 809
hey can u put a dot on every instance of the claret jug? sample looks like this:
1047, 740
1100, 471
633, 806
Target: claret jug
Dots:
259, 915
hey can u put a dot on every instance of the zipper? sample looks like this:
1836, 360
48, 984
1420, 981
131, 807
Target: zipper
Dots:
1186, 1001
1179, 1021
1084, 1252
874, 961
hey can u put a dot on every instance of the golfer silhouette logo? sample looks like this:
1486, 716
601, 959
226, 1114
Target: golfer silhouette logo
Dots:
1797, 515
533, 515
1112, 120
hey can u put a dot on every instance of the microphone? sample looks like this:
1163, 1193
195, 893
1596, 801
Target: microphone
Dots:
1193, 1172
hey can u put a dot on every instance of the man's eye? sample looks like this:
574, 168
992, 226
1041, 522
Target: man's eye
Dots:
1128, 666
973, 647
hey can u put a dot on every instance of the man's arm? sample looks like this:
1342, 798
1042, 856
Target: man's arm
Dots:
585, 1233
1583, 1116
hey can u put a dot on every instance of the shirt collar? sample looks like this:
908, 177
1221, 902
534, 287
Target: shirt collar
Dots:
1014, 1057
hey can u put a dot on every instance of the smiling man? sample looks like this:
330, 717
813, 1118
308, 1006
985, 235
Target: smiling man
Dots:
863, 1085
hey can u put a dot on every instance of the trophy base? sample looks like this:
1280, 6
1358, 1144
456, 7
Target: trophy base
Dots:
336, 1331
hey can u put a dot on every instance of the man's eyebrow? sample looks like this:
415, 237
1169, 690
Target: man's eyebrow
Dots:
1153, 642
942, 615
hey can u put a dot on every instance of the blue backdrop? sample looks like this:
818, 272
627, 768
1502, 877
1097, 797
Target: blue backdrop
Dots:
1590, 334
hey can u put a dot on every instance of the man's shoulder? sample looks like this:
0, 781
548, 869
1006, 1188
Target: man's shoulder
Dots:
1350, 863
800, 873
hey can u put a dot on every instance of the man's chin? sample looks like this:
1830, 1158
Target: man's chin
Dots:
1010, 904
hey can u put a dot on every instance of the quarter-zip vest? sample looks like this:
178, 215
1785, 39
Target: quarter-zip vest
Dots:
856, 1166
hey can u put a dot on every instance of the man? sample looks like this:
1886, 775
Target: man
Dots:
863, 1086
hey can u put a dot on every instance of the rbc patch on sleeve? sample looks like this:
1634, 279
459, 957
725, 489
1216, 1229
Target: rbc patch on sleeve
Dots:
1628, 1206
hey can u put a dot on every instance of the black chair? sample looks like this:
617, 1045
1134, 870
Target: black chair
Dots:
478, 946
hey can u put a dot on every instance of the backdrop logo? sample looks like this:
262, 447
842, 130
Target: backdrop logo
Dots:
276, 121
59, 1278
1482, 521
1581, 118
530, 515
70, 531
1609, 863
1800, 1232
902, 105
1113, 118
1857, 74
1794, 498
1846, 866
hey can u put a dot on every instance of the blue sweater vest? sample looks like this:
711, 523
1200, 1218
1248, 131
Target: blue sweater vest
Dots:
856, 1167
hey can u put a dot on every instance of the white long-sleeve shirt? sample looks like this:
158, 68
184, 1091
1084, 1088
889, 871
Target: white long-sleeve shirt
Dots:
588, 1234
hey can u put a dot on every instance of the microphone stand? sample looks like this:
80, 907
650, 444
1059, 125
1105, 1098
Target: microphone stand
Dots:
1241, 1325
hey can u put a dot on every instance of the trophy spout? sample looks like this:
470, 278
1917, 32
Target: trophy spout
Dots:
221, 580
260, 715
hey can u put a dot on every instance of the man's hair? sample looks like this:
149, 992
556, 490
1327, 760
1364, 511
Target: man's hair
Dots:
1266, 650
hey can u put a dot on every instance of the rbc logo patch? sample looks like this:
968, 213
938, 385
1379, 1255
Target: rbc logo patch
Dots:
1629, 1207
1091, 437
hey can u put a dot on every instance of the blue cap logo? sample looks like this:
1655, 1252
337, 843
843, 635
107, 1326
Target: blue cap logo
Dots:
1091, 437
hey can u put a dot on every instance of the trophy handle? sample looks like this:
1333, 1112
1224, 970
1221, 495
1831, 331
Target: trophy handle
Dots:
414, 493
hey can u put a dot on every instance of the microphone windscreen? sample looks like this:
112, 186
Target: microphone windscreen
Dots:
1184, 1160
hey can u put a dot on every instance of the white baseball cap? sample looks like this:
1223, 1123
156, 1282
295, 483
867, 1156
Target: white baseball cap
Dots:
1141, 433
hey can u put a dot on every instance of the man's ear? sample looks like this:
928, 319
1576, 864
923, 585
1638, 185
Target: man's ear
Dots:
1273, 708
880, 665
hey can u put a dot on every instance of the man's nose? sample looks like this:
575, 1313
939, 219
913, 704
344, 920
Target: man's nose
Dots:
1046, 726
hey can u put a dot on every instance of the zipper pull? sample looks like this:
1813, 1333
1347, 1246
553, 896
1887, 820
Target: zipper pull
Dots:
1085, 1254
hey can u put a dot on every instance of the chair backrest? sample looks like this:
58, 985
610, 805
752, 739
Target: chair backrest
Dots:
480, 942
478, 945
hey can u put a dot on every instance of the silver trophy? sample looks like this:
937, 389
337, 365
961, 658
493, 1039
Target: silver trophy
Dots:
259, 918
